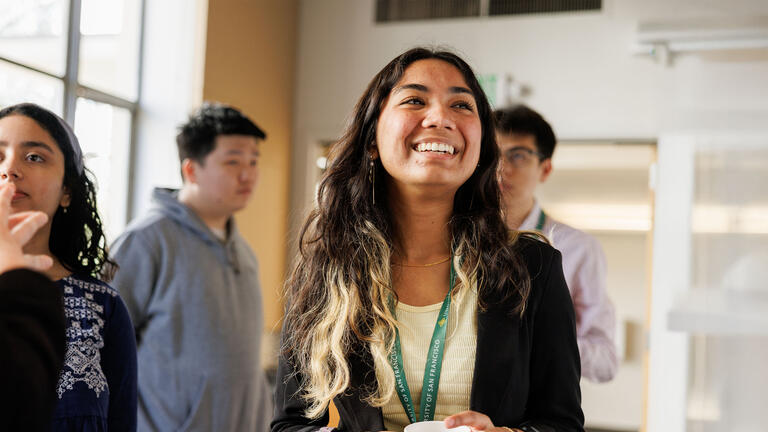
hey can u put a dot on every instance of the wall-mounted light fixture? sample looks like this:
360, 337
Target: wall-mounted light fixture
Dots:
662, 40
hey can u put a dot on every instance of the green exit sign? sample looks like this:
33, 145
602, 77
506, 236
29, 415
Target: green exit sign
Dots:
489, 83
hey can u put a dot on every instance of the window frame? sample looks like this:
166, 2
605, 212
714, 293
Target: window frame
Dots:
73, 89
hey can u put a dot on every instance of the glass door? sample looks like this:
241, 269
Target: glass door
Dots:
709, 339
603, 188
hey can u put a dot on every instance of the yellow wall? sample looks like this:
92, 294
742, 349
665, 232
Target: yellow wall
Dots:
249, 63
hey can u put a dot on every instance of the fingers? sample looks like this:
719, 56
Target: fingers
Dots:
473, 419
26, 227
38, 262
23, 227
19, 217
16, 230
6, 194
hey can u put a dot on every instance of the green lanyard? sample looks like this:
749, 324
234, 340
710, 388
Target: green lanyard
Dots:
540, 223
432, 368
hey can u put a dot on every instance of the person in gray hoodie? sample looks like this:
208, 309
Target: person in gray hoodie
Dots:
191, 284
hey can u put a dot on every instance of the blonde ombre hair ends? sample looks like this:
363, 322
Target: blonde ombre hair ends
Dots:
339, 292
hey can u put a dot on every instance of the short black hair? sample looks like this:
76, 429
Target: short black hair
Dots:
520, 119
197, 137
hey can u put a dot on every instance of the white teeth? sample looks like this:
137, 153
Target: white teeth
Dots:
435, 147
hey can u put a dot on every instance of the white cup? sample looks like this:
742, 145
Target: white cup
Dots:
434, 426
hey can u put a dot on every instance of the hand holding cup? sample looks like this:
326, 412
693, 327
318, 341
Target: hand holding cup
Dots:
434, 426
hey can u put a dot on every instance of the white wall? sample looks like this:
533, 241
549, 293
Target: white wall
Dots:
174, 36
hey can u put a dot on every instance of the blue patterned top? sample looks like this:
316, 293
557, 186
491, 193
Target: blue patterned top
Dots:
97, 387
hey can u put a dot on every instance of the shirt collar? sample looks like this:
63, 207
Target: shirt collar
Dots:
529, 223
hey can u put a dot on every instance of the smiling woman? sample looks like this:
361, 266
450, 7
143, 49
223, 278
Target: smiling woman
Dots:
429, 134
410, 288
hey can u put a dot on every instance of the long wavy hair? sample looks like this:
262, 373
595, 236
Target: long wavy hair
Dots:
339, 292
77, 237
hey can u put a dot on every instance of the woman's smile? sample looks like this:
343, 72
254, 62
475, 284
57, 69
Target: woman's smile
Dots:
435, 147
429, 131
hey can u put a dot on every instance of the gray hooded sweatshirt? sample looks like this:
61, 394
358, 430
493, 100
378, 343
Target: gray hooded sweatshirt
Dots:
195, 302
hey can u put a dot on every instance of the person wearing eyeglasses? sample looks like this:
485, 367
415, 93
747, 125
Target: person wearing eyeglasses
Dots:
527, 143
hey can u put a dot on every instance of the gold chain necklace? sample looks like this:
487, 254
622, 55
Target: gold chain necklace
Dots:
423, 265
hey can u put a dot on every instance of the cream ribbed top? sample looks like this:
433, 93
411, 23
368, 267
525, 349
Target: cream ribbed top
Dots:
416, 326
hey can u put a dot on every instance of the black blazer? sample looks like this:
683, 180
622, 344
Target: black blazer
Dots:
526, 370
32, 345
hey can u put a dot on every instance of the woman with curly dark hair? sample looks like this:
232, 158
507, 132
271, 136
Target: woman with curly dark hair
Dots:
410, 300
41, 156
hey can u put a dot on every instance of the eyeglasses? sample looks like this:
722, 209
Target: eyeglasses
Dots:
520, 156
